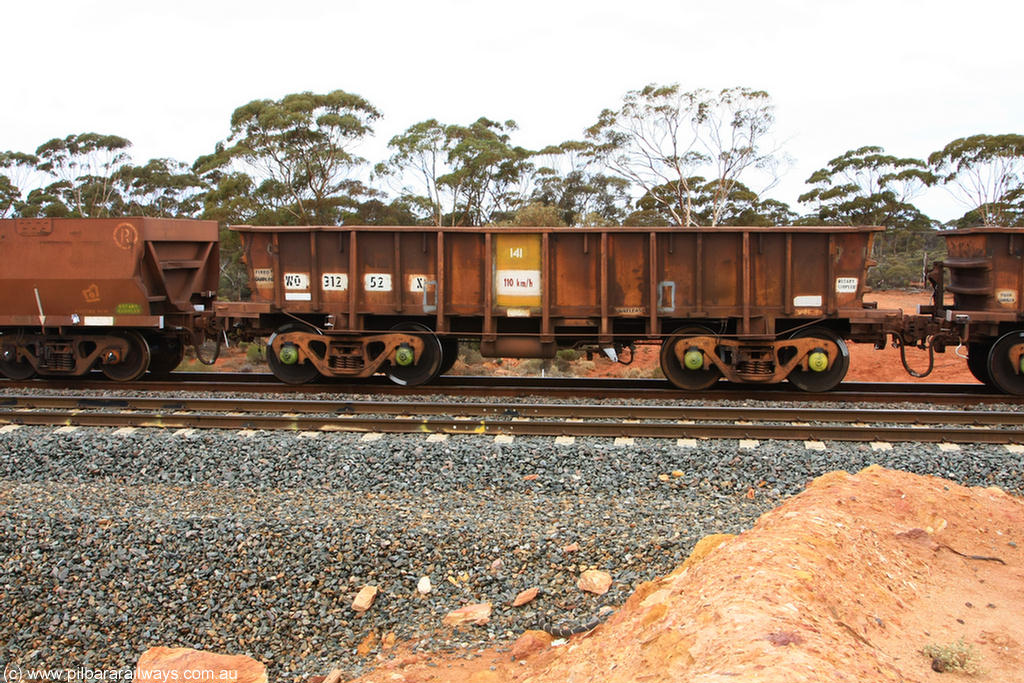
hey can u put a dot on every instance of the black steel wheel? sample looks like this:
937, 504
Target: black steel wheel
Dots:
809, 380
165, 354
291, 372
449, 354
133, 364
427, 367
977, 362
1005, 368
11, 367
691, 379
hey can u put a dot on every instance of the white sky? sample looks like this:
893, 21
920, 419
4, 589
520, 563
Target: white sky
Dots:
909, 75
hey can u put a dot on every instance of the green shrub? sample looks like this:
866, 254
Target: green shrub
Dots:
957, 656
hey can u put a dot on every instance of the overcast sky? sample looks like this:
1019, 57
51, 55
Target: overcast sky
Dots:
909, 75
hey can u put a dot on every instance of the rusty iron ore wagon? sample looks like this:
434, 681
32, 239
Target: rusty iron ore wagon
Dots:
986, 278
748, 304
124, 294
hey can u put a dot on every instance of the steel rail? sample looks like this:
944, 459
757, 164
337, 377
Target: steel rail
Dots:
517, 410
511, 427
575, 387
561, 420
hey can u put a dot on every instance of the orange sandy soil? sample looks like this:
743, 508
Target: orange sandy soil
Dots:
848, 581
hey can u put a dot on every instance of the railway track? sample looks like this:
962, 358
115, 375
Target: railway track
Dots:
568, 387
664, 421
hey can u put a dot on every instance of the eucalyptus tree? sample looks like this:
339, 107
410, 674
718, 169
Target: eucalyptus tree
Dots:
16, 168
867, 186
569, 179
742, 206
299, 154
662, 136
83, 170
161, 188
986, 174
459, 175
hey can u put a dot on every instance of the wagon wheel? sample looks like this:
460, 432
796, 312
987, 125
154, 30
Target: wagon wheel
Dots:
133, 363
690, 374
427, 367
449, 354
287, 367
11, 367
821, 379
1006, 369
977, 362
165, 354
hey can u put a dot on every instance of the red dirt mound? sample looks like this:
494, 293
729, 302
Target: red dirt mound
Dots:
849, 581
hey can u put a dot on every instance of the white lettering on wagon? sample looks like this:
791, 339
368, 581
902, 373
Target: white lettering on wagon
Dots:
296, 280
334, 282
377, 282
418, 283
517, 282
846, 285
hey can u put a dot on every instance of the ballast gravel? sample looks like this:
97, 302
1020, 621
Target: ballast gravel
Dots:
258, 544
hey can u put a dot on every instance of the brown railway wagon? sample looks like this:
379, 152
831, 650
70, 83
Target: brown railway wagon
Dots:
749, 304
125, 294
986, 277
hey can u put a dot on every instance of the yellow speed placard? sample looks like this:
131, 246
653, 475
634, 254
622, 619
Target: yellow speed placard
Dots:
517, 271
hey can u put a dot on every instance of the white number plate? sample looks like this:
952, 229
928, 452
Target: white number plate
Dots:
418, 283
377, 282
334, 282
518, 282
296, 280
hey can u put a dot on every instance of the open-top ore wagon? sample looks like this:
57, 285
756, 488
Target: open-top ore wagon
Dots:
748, 304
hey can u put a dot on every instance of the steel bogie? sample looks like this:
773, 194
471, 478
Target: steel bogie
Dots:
299, 356
123, 355
693, 358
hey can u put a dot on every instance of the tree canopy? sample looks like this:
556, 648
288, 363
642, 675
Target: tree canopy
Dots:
298, 153
984, 172
662, 136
